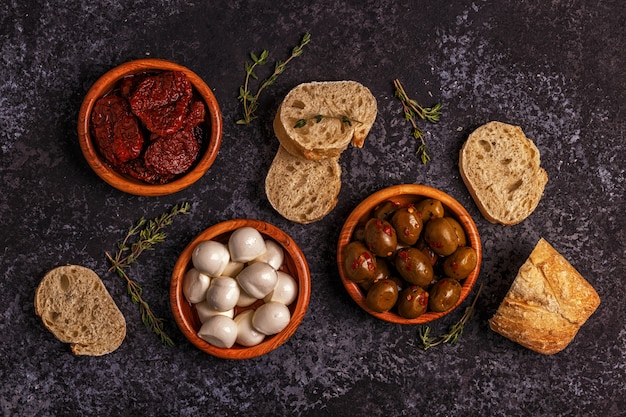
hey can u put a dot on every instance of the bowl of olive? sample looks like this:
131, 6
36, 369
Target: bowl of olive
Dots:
409, 254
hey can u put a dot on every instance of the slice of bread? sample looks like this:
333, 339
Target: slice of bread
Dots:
302, 190
502, 170
76, 308
334, 101
547, 304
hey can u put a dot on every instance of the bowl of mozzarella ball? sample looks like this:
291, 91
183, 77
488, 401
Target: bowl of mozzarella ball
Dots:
240, 289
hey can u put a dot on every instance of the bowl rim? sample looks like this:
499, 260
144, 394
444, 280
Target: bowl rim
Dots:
395, 191
129, 185
301, 274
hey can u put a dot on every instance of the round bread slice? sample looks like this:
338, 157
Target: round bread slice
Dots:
502, 170
347, 111
303, 191
76, 308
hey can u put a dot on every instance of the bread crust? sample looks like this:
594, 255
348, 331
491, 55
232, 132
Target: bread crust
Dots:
502, 171
547, 304
75, 306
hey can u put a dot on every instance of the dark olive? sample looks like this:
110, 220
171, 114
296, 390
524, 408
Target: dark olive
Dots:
380, 237
382, 296
384, 210
408, 224
458, 229
359, 263
460, 263
412, 302
413, 265
440, 235
430, 208
359, 233
444, 294
382, 272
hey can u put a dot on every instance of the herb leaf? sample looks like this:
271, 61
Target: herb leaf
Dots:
455, 331
318, 118
413, 110
250, 100
148, 234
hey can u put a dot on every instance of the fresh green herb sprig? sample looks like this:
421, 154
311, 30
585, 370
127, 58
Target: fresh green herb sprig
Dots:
455, 331
412, 110
319, 117
250, 100
148, 234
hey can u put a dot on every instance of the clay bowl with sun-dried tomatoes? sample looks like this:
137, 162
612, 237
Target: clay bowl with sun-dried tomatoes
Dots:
405, 195
150, 127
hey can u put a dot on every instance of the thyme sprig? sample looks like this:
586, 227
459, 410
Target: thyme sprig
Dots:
455, 331
319, 117
413, 109
148, 234
249, 100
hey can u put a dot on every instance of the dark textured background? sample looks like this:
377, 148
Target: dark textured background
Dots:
554, 68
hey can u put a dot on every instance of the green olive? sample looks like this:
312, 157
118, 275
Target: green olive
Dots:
458, 229
380, 237
384, 210
460, 263
359, 263
412, 302
440, 235
408, 224
429, 209
382, 272
413, 265
444, 294
382, 296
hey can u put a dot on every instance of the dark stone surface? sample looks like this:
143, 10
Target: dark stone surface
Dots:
554, 68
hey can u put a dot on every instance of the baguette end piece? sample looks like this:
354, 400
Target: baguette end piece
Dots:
547, 304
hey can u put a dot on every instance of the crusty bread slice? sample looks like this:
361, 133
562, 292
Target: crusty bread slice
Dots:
76, 308
547, 304
502, 170
301, 190
331, 135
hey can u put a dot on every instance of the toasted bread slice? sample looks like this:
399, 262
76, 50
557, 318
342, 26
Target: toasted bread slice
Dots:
76, 308
547, 304
347, 109
301, 190
502, 170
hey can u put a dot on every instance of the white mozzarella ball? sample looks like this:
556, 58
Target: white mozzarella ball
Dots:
273, 255
245, 299
223, 293
195, 285
210, 257
247, 335
285, 291
245, 244
271, 318
258, 279
232, 269
220, 331
205, 311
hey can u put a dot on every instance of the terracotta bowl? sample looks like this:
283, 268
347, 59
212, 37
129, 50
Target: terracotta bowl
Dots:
110, 81
294, 264
404, 194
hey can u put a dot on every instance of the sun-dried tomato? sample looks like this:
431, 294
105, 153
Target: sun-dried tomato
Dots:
172, 154
116, 130
161, 101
